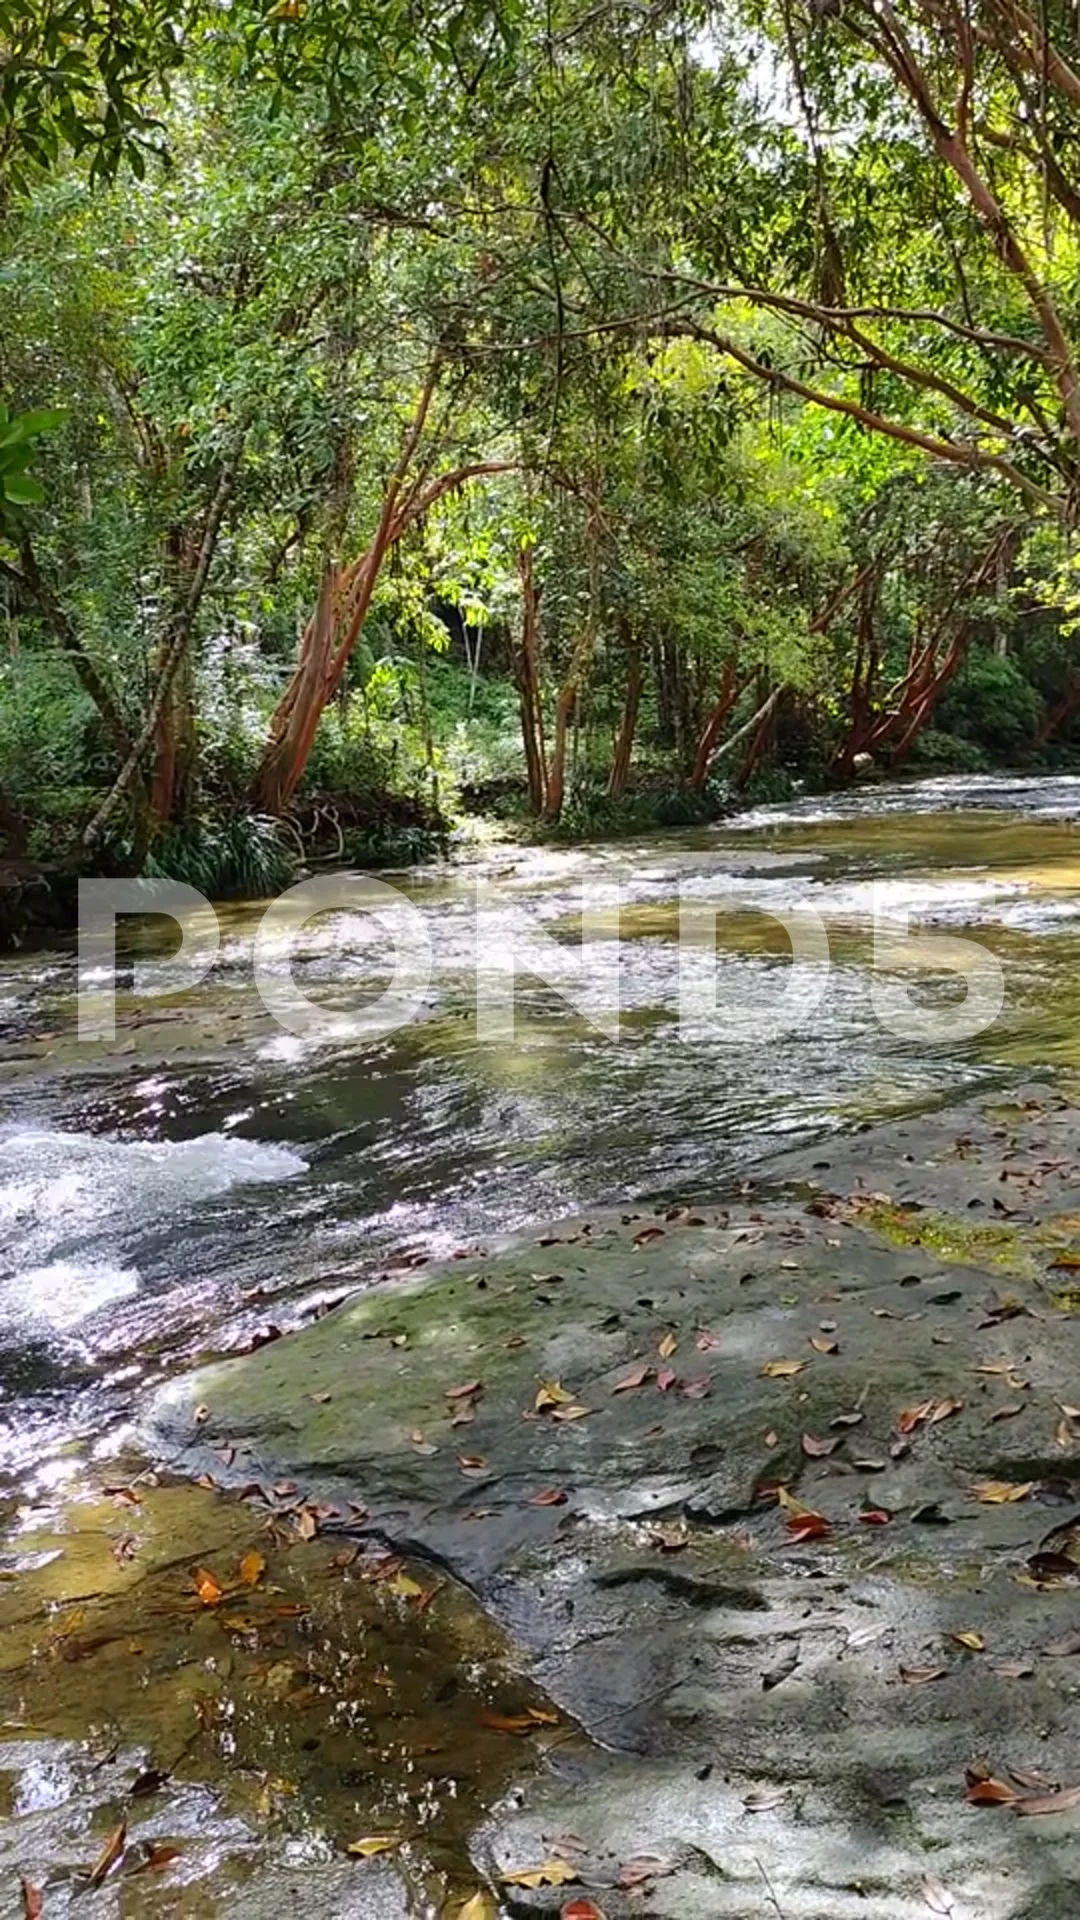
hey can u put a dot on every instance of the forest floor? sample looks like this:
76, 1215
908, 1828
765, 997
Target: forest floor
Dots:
777, 1505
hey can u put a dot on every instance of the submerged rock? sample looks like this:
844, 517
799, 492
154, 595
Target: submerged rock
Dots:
757, 1493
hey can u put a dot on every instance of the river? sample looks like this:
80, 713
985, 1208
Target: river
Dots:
207, 1179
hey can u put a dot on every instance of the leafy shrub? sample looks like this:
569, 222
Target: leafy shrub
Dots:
991, 703
947, 753
241, 858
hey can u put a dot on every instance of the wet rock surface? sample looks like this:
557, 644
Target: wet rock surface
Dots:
774, 1501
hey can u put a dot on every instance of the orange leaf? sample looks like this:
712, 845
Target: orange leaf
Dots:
668, 1345
252, 1568
110, 1853
208, 1587
782, 1369
581, 1910
991, 1793
550, 1497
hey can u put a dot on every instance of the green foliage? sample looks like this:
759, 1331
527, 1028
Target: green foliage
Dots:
991, 703
18, 443
939, 752
242, 858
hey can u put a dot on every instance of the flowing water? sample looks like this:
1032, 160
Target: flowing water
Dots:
206, 1177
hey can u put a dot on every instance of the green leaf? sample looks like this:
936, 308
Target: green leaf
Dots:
22, 490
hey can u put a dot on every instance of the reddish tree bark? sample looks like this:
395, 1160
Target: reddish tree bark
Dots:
709, 738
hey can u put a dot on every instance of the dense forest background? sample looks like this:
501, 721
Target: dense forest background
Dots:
590, 414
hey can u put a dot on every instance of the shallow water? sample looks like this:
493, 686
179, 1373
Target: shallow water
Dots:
207, 1176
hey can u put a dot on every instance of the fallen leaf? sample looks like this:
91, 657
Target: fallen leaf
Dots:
553, 1873
480, 1907
937, 1897
158, 1858
467, 1392
1012, 1670
110, 1853
991, 1793
404, 1586
1071, 1413
33, 1901
509, 1722
1036, 1803
668, 1345
666, 1379
696, 1389
472, 1463
707, 1342
875, 1517
208, 1587
944, 1410
816, 1449
123, 1496
1034, 1782
1006, 1413
974, 1642
1000, 1493
252, 1568
766, 1801
921, 1676
200, 1416
636, 1872
1063, 1648
782, 1369
374, 1843
581, 1910
912, 1417
550, 1497
631, 1381
808, 1526
648, 1234
821, 1344
552, 1393
848, 1420
307, 1524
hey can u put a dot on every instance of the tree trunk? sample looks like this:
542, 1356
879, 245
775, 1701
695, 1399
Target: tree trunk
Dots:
624, 746
527, 674
555, 792
714, 727
1057, 716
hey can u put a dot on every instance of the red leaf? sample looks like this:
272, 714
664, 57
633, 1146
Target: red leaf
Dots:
666, 1379
551, 1497
875, 1517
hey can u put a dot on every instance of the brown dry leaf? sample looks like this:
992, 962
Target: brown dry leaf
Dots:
1000, 1493
637, 1872
1071, 1413
974, 1642
991, 1793
912, 1417
472, 1463
569, 1414
550, 1497
668, 1345
631, 1381
848, 1420
33, 1901
208, 1587
374, 1843
994, 1366
944, 1410
707, 1342
123, 1496
160, 1857
666, 1379
552, 1393
307, 1525
508, 1722
553, 1873
808, 1526
696, 1389
782, 1369
1034, 1782
467, 1392
822, 1344
1012, 1669
1062, 1802
921, 1676
648, 1234
1006, 1413
816, 1449
110, 1853
480, 1907
1063, 1648
252, 1568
